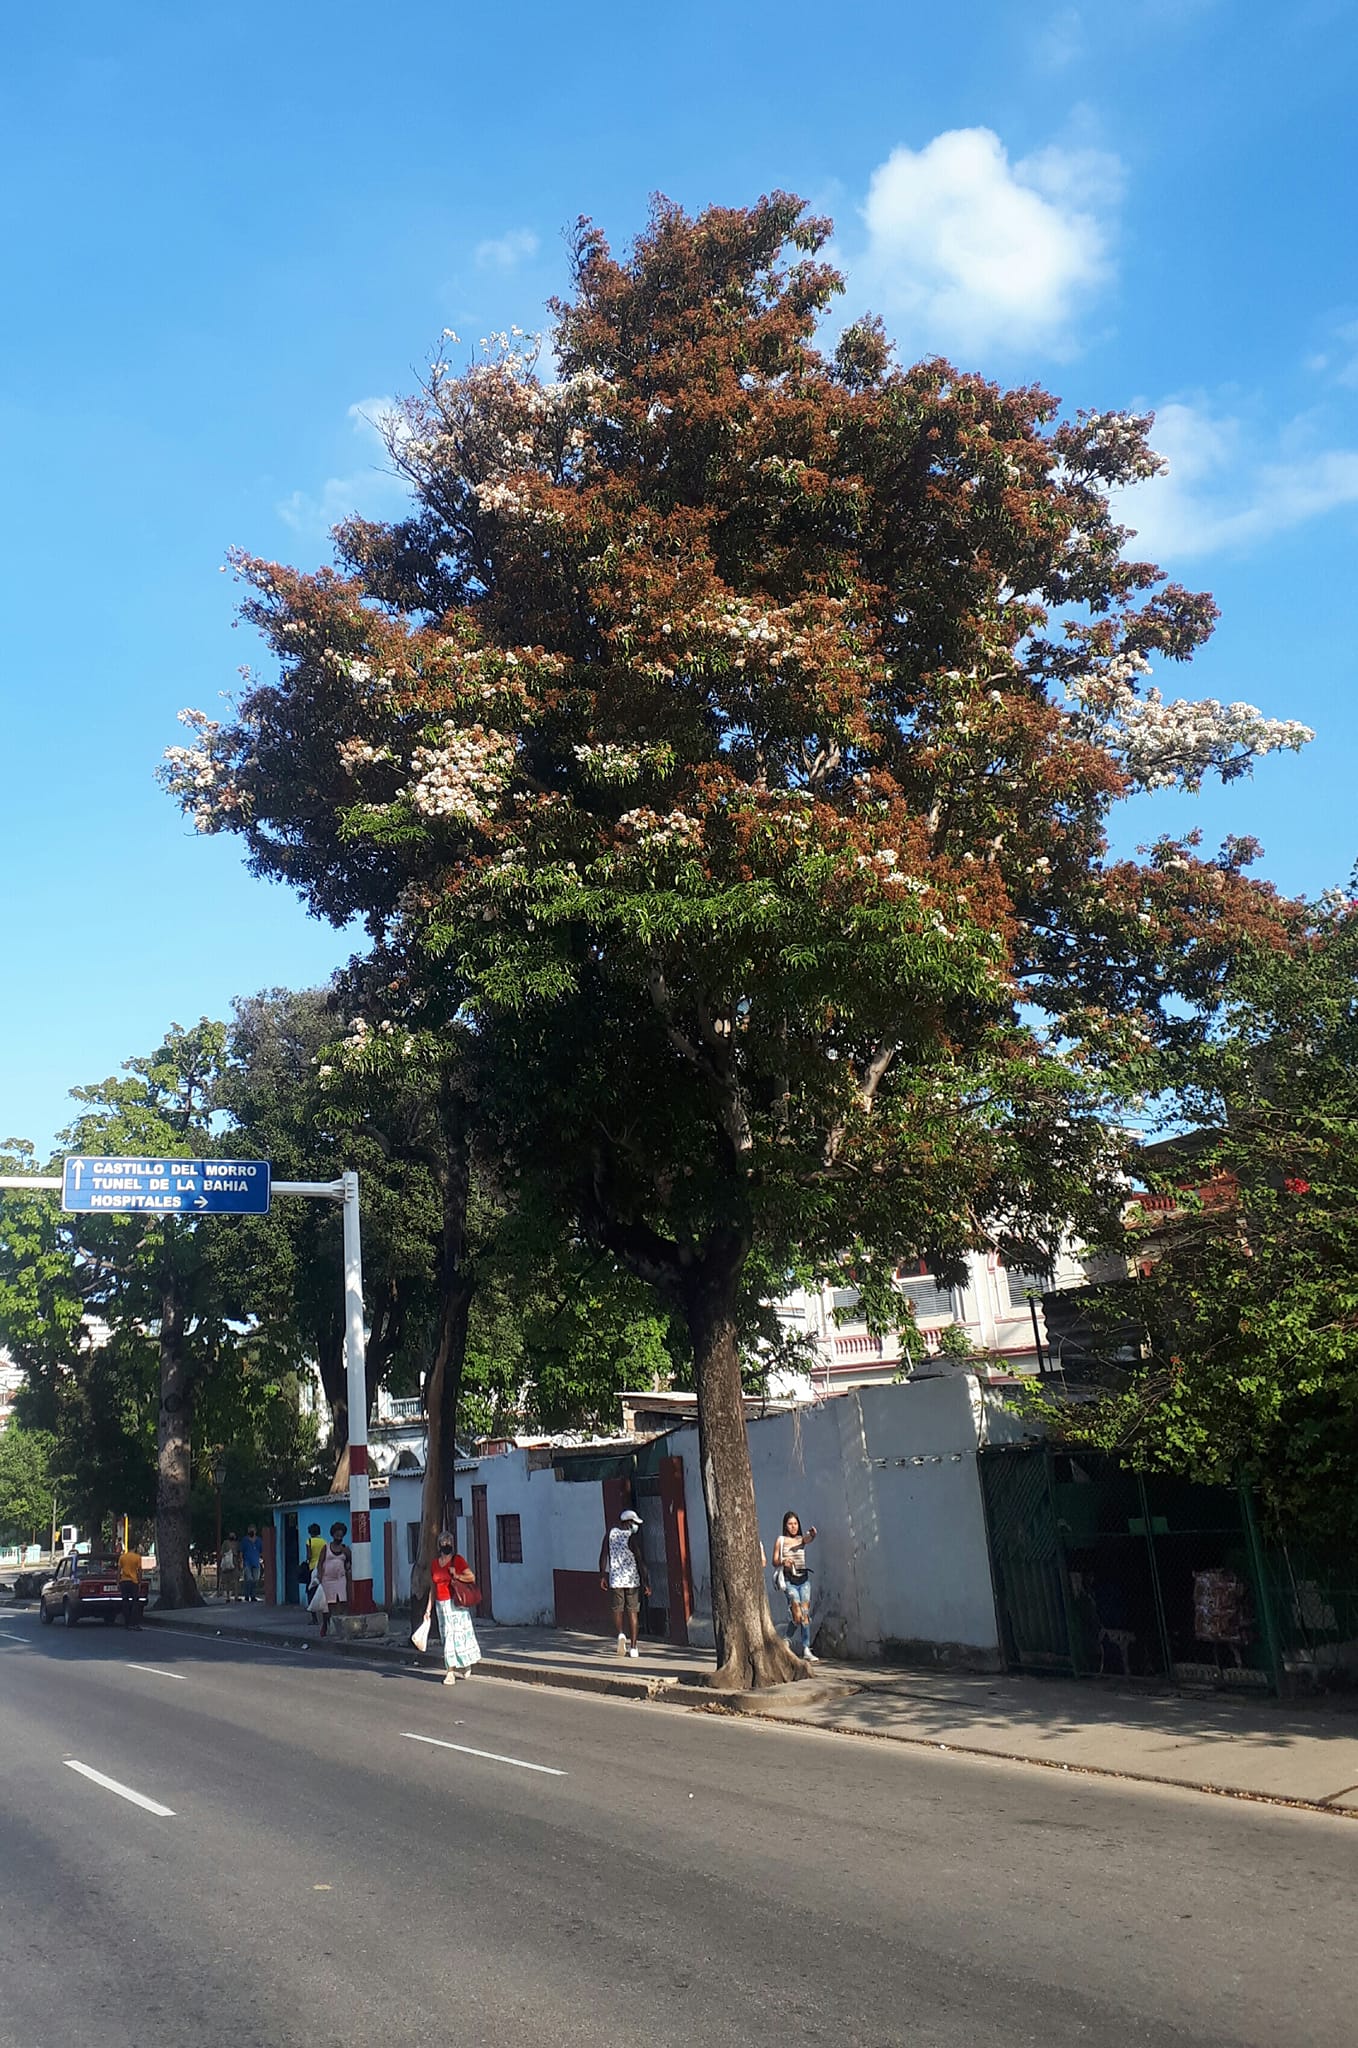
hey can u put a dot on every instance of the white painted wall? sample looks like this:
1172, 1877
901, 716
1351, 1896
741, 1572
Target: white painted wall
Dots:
888, 1478
560, 1524
887, 1475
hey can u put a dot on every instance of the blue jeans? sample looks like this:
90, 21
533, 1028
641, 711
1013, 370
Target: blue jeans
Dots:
799, 1632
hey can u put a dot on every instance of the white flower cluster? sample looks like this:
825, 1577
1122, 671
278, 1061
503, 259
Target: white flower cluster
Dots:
780, 633
609, 763
196, 777
460, 777
1121, 434
652, 831
368, 679
355, 754
1174, 745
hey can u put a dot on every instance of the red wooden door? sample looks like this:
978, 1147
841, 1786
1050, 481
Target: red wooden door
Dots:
481, 1562
676, 1548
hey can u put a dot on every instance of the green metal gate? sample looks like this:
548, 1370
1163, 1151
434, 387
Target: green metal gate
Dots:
1104, 1572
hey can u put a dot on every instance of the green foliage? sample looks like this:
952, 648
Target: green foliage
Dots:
557, 1333
32, 1491
83, 1298
1249, 1294
726, 742
758, 809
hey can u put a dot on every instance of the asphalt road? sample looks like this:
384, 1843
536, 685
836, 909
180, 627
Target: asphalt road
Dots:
663, 1877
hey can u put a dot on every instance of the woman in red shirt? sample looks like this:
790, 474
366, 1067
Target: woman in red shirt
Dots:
460, 1647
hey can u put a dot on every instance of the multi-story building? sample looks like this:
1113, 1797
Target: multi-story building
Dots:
997, 1311
11, 1379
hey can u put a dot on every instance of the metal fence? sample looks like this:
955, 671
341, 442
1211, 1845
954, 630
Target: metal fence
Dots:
1101, 1571
1312, 1596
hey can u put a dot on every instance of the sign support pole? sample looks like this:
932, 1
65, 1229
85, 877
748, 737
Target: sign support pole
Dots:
355, 1359
344, 1191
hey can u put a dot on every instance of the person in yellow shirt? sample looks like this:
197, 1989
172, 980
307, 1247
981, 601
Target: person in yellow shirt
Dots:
129, 1585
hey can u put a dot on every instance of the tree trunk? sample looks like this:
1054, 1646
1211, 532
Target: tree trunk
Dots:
174, 1437
442, 1391
750, 1651
334, 1381
443, 1385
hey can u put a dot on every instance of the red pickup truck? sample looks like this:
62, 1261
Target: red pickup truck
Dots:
81, 1586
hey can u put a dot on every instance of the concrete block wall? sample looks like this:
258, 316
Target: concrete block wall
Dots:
888, 1477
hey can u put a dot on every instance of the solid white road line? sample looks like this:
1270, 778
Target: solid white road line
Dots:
490, 1755
156, 1671
123, 1791
6, 1636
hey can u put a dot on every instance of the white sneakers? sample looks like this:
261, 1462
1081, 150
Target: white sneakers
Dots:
622, 1645
634, 1651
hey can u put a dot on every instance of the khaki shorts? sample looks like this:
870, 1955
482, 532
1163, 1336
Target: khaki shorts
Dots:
628, 1597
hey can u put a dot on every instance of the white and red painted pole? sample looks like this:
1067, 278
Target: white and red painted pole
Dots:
355, 1361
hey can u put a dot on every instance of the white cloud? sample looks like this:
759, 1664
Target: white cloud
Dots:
372, 488
1225, 491
506, 252
1338, 360
1060, 39
973, 251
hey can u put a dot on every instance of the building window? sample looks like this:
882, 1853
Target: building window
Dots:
930, 1300
412, 1542
1022, 1287
508, 1539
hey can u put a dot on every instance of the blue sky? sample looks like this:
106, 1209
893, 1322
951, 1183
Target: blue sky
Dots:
229, 233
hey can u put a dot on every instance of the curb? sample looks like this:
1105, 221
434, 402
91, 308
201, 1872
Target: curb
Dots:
735, 1704
621, 1685
695, 1697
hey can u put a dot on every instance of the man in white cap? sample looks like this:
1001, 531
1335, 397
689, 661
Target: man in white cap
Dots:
622, 1574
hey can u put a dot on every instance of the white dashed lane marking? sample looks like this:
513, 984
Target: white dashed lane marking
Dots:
489, 1756
123, 1791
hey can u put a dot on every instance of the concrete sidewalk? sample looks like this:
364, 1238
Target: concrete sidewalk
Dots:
1299, 1752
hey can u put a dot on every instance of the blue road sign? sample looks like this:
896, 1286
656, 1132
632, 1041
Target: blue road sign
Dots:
187, 1187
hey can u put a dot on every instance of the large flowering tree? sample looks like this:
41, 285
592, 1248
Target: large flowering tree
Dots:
730, 731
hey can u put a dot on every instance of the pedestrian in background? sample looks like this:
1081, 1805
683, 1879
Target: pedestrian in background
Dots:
312, 1545
251, 1563
794, 1579
129, 1584
449, 1571
228, 1570
622, 1574
334, 1575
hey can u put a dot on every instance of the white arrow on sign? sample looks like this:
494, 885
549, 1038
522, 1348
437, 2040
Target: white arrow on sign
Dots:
77, 1168
201, 1203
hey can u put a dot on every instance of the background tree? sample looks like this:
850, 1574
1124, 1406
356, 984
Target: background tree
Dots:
32, 1492
104, 1311
1248, 1293
558, 1331
730, 732
281, 1092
